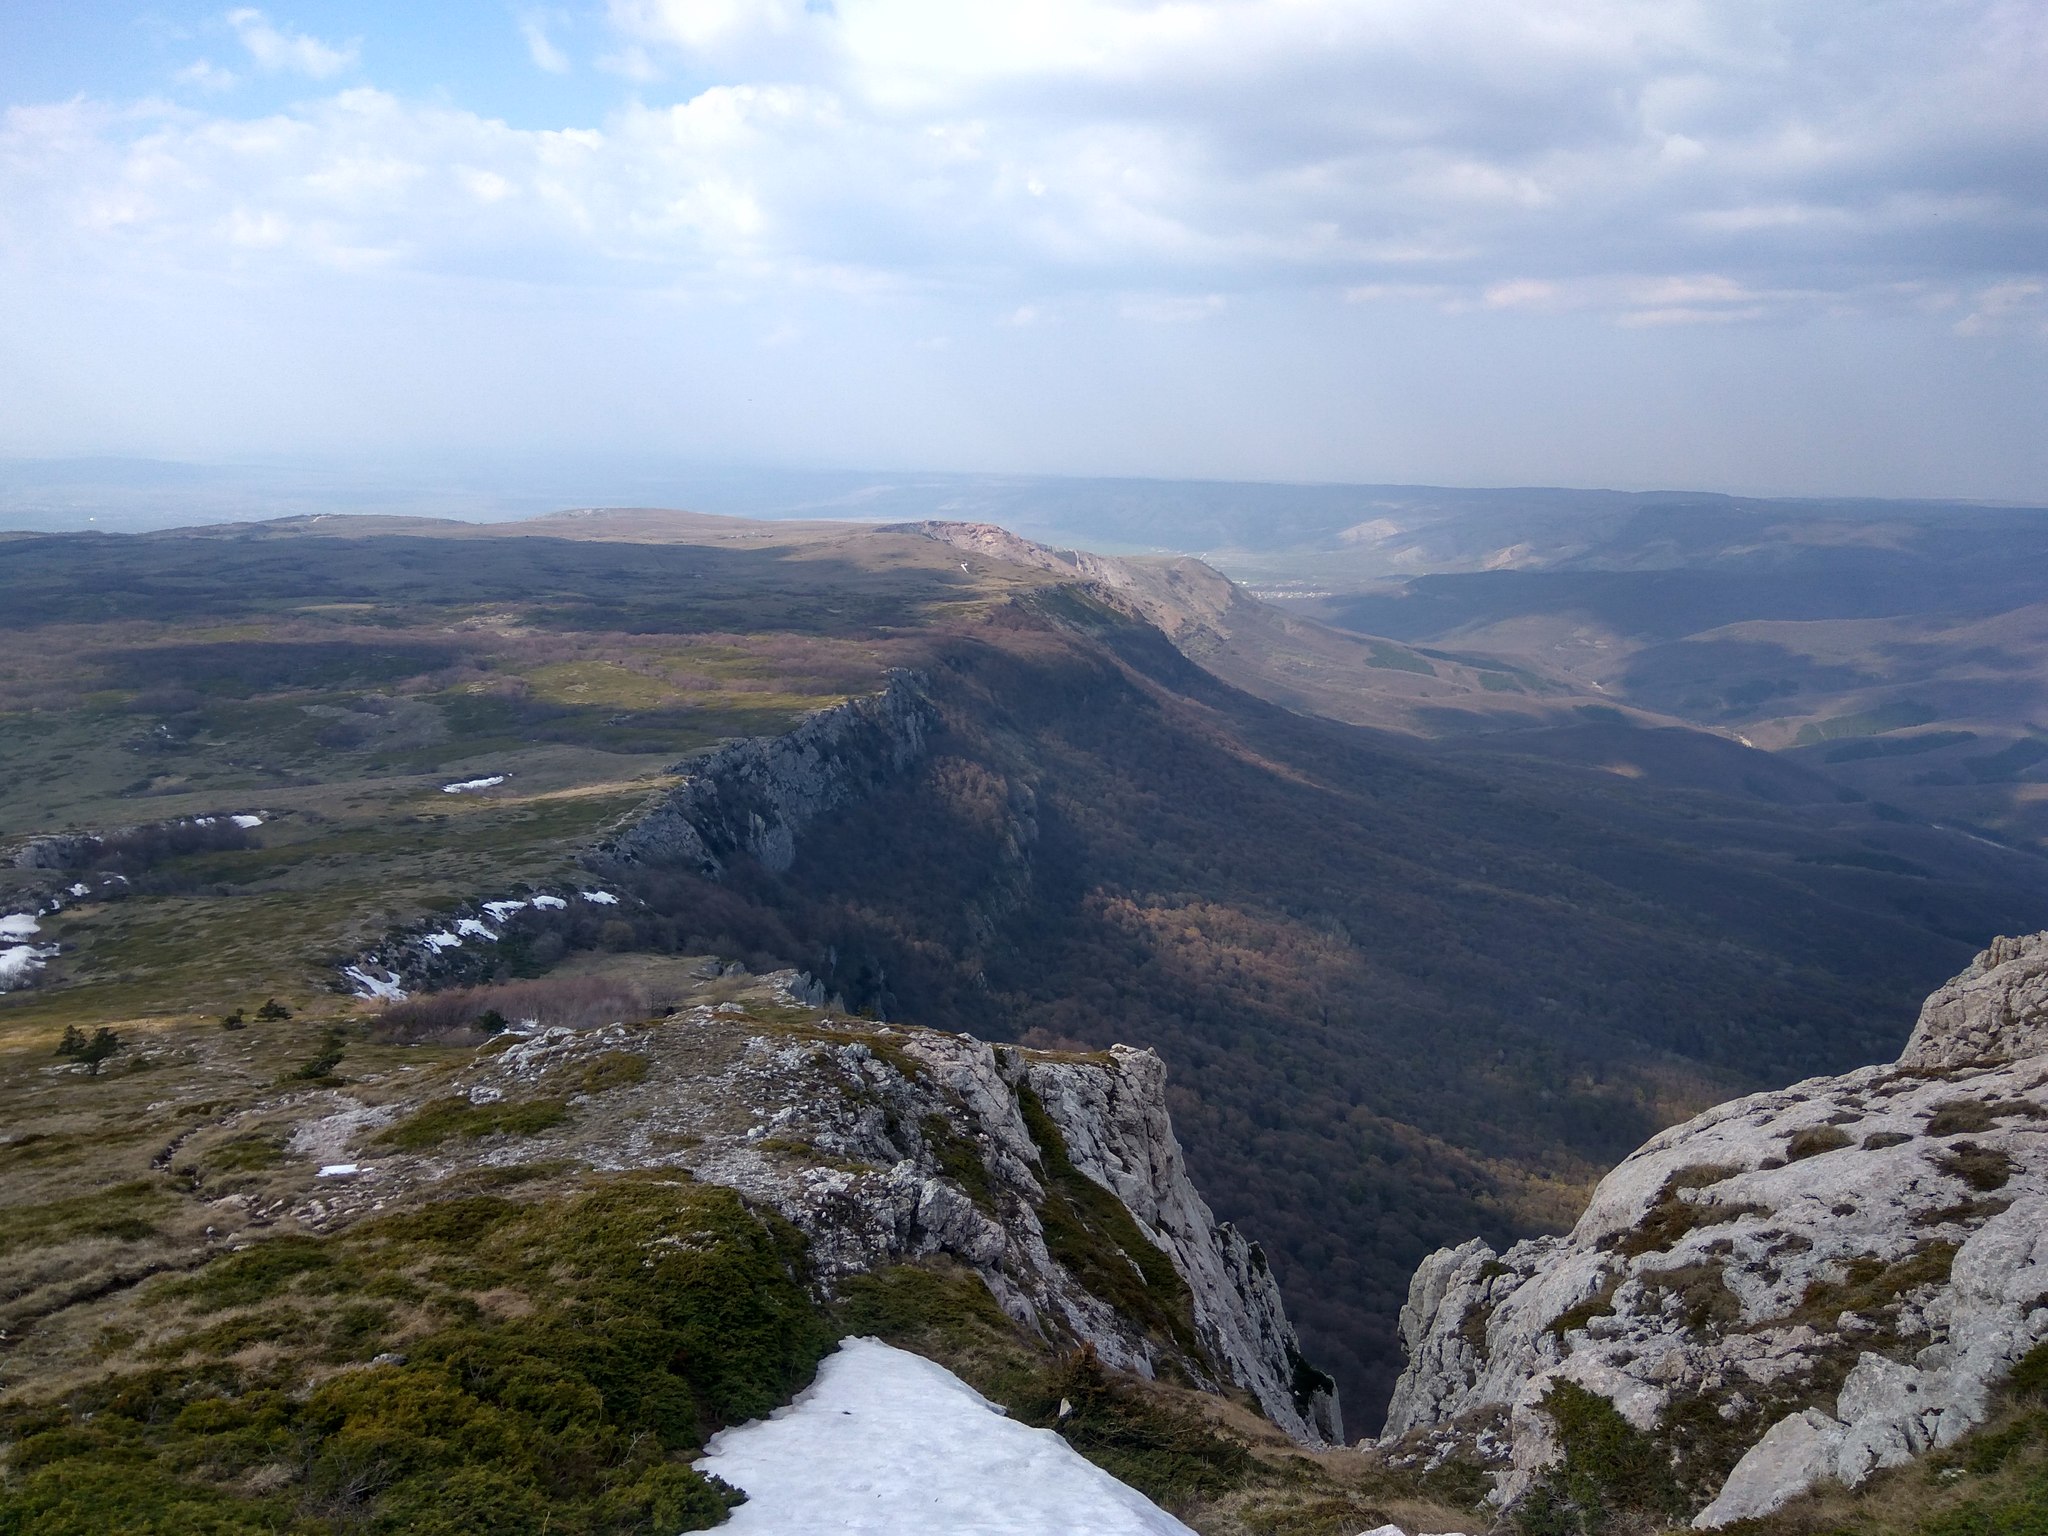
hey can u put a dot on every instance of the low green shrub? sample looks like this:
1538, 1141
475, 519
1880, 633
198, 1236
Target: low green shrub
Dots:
1611, 1477
651, 1312
613, 1069
1814, 1140
444, 1119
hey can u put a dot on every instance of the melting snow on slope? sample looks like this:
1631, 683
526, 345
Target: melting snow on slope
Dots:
470, 786
602, 898
386, 987
554, 903
500, 910
887, 1442
247, 820
20, 961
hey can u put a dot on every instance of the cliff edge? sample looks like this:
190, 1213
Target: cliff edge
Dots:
1794, 1287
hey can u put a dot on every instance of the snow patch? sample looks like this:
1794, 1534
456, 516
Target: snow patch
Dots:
887, 1442
475, 928
500, 910
552, 903
19, 962
339, 1171
367, 985
441, 941
602, 898
79, 890
246, 820
470, 786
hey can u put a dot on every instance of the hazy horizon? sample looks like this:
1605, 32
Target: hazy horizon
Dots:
133, 494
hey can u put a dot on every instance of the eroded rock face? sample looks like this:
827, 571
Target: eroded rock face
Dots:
886, 1144
1997, 1010
747, 798
1113, 1118
753, 796
1797, 1285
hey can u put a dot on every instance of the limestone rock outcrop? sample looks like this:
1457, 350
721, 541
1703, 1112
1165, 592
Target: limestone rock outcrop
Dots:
1997, 1010
749, 797
886, 1144
754, 795
1832, 1277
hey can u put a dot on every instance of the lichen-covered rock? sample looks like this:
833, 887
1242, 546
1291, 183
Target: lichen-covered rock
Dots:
1796, 1452
1809, 1283
1997, 1010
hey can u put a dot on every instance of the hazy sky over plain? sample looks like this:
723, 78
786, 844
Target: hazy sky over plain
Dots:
1758, 245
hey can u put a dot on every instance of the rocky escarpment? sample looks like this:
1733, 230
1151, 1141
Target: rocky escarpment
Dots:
754, 796
1056, 1178
1794, 1287
744, 798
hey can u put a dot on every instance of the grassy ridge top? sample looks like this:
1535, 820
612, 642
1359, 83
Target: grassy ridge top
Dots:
334, 674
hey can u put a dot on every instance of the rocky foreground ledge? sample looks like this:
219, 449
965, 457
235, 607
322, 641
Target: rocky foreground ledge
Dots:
1790, 1288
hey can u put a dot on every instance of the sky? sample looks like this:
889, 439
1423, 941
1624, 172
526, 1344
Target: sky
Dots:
1764, 246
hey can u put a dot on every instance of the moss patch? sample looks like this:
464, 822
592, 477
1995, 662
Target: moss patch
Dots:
446, 1118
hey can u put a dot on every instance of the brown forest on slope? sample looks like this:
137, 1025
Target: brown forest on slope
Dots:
1402, 1002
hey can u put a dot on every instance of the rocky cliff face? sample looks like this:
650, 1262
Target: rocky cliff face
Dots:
749, 797
1795, 1286
755, 795
1057, 1178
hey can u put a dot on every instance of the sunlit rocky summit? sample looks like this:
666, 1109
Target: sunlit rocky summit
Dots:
1794, 1288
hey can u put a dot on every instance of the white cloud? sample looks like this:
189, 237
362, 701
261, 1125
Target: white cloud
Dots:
1569, 155
2007, 306
290, 52
205, 75
1521, 293
541, 48
705, 25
